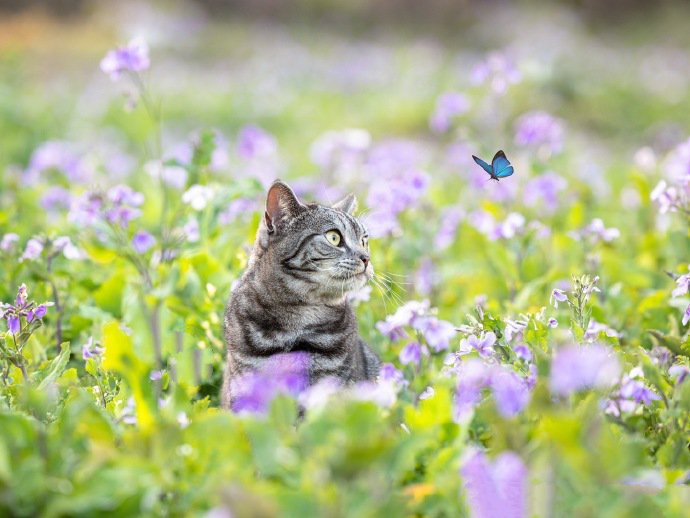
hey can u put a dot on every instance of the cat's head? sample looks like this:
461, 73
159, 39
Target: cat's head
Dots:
320, 250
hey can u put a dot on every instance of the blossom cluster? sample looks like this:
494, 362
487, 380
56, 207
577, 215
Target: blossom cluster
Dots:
437, 333
23, 308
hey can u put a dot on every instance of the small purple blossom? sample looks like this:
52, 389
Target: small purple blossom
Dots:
679, 373
557, 296
450, 219
596, 232
143, 241
552, 322
411, 353
56, 198
285, 373
576, 368
637, 391
498, 71
91, 350
388, 373
514, 329
22, 307
523, 352
405, 315
543, 191
686, 316
594, 329
8, 241
448, 107
134, 57
541, 131
510, 392
14, 324
682, 286
341, 150
424, 277
495, 490
437, 333
252, 142
484, 344
239, 208
33, 250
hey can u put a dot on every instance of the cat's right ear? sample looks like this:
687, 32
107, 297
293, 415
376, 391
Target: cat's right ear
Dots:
281, 206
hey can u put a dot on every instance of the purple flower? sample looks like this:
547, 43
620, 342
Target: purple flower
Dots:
552, 322
411, 353
636, 391
156, 375
669, 199
498, 71
510, 392
8, 241
484, 345
523, 352
595, 328
436, 332
91, 350
191, 230
679, 373
543, 191
341, 150
59, 156
450, 220
64, 244
677, 165
389, 374
239, 208
285, 373
134, 57
37, 313
56, 198
577, 368
686, 316
514, 329
33, 250
252, 141
557, 296
541, 131
682, 286
143, 241
497, 490
405, 315
14, 325
424, 277
448, 106
596, 232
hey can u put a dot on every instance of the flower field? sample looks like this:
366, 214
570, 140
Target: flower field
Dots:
533, 331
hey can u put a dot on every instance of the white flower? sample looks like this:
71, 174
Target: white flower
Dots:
198, 196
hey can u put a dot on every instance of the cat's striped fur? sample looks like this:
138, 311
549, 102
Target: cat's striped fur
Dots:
292, 297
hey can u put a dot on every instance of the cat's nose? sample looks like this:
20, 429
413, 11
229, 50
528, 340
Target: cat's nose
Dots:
365, 259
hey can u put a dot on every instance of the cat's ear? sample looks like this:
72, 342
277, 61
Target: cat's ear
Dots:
281, 205
347, 204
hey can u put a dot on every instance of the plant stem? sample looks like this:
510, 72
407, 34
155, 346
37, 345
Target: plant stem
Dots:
58, 306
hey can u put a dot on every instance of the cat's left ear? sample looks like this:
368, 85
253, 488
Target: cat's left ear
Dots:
347, 204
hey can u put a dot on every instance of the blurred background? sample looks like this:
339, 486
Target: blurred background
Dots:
616, 71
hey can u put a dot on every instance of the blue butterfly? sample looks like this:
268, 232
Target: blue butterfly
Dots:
500, 166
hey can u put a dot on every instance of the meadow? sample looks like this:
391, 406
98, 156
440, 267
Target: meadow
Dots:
534, 331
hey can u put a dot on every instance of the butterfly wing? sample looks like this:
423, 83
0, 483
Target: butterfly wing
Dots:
501, 165
489, 169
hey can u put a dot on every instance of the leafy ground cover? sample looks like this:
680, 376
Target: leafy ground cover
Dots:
534, 331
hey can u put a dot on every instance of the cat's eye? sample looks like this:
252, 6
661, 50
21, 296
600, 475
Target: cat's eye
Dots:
333, 237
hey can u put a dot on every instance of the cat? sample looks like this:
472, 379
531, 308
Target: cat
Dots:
293, 295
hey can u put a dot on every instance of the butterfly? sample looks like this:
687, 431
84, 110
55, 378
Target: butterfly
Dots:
500, 166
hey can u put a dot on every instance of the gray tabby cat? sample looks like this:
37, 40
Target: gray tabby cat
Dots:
292, 297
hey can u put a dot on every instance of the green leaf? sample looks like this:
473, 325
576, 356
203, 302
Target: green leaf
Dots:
55, 368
